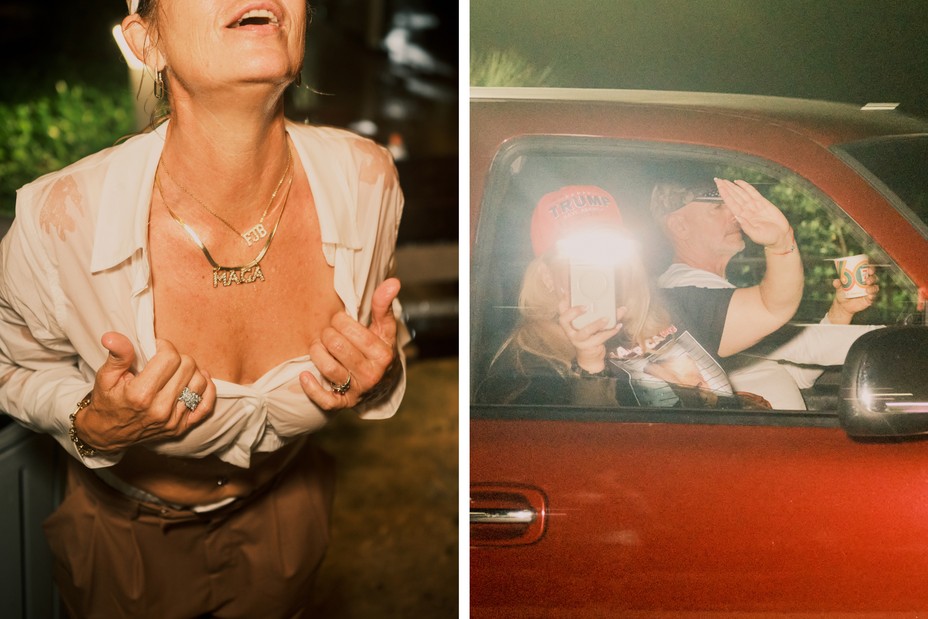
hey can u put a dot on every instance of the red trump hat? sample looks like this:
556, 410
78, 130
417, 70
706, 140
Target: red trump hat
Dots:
569, 209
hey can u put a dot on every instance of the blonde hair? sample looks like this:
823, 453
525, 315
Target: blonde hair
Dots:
539, 334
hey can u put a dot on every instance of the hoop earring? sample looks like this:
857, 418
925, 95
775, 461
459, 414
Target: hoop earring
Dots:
159, 85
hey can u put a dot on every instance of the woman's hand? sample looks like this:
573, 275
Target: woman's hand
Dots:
590, 340
351, 357
127, 408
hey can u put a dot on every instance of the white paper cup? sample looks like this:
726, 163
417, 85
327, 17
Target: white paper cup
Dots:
853, 271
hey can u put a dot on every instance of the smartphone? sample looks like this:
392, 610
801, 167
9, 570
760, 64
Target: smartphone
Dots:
593, 286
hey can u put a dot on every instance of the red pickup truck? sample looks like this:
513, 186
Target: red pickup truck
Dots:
636, 511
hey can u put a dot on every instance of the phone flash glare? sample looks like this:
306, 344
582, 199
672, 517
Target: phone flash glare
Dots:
603, 247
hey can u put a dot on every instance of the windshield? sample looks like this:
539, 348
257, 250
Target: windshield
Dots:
899, 164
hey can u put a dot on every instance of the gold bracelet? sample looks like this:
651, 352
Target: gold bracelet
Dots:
85, 450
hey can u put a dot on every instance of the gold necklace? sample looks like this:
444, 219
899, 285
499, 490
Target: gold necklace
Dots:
257, 231
225, 275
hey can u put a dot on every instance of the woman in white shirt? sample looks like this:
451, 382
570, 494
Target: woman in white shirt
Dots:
179, 311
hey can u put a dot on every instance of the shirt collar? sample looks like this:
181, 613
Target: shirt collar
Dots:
335, 197
125, 200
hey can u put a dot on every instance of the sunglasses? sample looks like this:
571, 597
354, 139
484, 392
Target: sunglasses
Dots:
707, 196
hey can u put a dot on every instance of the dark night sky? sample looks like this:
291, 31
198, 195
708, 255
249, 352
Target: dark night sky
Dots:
847, 50
41, 42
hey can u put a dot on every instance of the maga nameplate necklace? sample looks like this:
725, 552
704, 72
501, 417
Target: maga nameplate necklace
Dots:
246, 273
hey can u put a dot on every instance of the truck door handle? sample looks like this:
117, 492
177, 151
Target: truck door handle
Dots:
506, 514
502, 516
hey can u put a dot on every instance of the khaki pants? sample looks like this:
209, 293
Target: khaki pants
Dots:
118, 557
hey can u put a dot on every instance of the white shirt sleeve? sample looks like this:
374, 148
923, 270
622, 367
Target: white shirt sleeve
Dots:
41, 376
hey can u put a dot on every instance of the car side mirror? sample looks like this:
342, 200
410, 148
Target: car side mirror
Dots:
884, 384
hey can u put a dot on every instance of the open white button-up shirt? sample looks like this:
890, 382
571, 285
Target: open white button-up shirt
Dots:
75, 265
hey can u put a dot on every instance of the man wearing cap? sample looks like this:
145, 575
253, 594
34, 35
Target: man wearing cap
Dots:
706, 234
754, 312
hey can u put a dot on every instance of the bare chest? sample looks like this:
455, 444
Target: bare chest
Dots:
240, 323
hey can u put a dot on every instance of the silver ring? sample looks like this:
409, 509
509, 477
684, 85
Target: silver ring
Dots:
190, 398
343, 388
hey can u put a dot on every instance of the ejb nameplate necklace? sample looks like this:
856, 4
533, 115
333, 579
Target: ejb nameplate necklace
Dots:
253, 234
